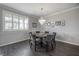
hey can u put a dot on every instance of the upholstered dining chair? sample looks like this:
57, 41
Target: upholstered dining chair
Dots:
37, 31
49, 42
53, 40
47, 32
30, 34
34, 42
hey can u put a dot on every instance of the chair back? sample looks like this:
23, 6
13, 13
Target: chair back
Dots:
49, 37
30, 34
46, 32
54, 35
37, 31
33, 37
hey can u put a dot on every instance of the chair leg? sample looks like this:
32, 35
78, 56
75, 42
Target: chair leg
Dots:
47, 47
35, 46
30, 45
51, 45
29, 40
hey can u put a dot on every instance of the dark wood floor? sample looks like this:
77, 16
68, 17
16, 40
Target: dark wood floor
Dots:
23, 49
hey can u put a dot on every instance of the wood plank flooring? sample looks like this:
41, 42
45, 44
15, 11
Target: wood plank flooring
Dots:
23, 49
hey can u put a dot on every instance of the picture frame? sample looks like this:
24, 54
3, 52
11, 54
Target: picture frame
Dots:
63, 23
34, 25
58, 23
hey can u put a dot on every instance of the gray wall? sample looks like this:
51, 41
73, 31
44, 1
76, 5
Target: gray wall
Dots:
9, 37
68, 33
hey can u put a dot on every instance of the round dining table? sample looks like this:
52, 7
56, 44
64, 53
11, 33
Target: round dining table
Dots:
41, 36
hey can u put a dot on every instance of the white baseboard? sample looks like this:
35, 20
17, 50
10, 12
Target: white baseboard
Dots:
27, 39
12, 42
68, 42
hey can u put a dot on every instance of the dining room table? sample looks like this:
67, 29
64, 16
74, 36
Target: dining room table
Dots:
41, 36
44, 40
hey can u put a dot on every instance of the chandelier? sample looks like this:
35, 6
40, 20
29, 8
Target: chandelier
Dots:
41, 19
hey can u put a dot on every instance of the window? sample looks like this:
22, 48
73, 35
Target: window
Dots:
26, 23
8, 21
8, 25
14, 21
21, 23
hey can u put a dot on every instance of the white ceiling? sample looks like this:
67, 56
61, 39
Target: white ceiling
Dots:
35, 8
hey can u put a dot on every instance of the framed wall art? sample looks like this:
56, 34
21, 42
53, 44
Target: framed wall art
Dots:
58, 23
34, 25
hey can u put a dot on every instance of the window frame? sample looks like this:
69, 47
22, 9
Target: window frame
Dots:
18, 15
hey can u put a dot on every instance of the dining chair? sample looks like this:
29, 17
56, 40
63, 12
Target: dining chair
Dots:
35, 42
30, 34
30, 39
53, 40
37, 31
46, 32
47, 42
